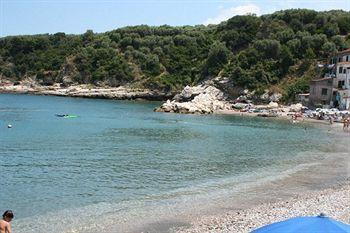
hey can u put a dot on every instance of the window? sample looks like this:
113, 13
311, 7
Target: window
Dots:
340, 69
341, 84
347, 58
324, 91
340, 59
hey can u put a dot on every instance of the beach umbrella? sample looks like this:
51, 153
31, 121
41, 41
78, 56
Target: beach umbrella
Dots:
319, 224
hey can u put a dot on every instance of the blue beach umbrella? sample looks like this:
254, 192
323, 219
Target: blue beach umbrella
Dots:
319, 224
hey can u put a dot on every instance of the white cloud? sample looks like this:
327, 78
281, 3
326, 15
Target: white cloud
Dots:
225, 14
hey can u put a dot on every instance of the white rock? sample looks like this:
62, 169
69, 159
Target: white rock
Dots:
275, 97
207, 99
273, 105
296, 107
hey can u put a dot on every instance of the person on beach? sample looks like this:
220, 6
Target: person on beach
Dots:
345, 124
330, 120
5, 226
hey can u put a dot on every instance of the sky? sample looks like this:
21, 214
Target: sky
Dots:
28, 17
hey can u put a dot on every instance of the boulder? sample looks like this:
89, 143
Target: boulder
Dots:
295, 107
239, 105
272, 105
245, 92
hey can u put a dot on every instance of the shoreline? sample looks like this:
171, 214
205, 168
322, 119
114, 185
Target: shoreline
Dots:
279, 117
318, 189
138, 94
125, 93
89, 91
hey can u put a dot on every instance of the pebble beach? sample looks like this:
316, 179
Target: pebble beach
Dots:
334, 202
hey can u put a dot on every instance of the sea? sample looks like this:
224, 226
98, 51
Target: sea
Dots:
118, 166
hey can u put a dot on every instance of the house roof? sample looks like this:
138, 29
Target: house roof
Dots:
344, 52
321, 79
344, 63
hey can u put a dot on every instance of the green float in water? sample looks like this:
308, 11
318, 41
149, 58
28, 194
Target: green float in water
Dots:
70, 116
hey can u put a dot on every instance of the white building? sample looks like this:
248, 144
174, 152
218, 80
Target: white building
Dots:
341, 81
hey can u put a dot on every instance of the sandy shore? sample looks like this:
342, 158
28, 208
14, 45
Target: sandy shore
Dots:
334, 202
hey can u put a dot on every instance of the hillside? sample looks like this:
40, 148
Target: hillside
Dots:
276, 51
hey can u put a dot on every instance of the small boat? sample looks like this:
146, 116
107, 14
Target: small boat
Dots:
66, 115
60, 115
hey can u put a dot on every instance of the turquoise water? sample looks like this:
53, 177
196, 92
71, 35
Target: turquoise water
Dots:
117, 155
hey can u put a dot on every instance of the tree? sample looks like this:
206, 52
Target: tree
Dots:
344, 24
310, 54
329, 49
268, 48
285, 35
331, 29
151, 65
339, 42
286, 60
88, 36
218, 56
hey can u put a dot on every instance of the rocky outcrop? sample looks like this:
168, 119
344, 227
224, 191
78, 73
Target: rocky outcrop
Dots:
201, 99
87, 91
275, 97
120, 93
189, 93
67, 71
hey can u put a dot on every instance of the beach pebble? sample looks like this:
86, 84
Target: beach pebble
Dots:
334, 202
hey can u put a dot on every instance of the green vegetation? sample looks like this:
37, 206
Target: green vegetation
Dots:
255, 52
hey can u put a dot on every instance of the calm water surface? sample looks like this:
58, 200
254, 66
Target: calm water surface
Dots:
117, 155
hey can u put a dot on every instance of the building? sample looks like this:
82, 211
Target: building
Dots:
321, 92
342, 80
333, 90
303, 98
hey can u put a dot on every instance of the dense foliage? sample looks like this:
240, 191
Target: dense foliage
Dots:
255, 52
